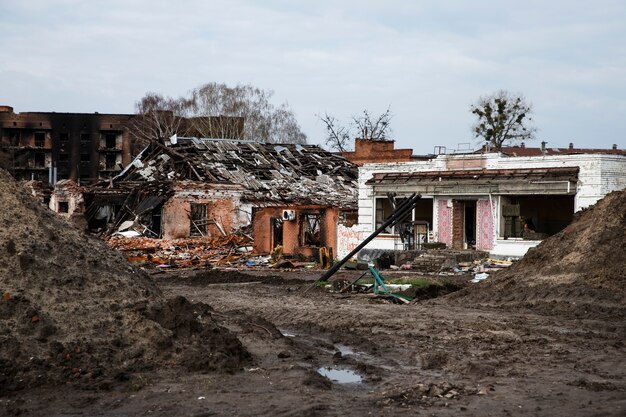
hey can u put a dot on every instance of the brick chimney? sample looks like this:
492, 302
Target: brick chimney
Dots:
571, 145
615, 146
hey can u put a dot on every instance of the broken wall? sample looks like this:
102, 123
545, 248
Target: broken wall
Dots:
293, 235
221, 217
348, 238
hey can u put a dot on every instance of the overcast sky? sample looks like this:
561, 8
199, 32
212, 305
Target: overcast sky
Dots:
427, 60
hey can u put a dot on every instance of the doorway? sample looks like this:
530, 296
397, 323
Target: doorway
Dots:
464, 224
276, 227
469, 221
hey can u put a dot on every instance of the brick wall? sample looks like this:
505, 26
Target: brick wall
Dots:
367, 151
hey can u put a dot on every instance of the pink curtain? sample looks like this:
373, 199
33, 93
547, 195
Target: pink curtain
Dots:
484, 225
444, 222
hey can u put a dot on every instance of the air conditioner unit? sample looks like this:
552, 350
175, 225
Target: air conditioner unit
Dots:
289, 215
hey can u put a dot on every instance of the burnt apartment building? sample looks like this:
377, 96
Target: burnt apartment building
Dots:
84, 147
45, 146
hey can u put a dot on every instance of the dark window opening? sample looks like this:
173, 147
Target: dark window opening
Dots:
40, 160
536, 217
63, 157
85, 157
384, 209
14, 138
64, 137
157, 216
348, 218
110, 161
85, 137
40, 139
199, 220
110, 140
310, 229
63, 207
84, 179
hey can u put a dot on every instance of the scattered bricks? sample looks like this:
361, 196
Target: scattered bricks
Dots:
6, 296
34, 319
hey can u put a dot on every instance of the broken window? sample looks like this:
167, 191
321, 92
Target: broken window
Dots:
535, 217
384, 209
40, 160
110, 140
111, 160
84, 178
14, 138
199, 220
63, 207
40, 139
310, 229
348, 218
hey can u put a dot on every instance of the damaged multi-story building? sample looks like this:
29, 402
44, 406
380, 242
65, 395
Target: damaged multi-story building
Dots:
87, 147
503, 202
295, 196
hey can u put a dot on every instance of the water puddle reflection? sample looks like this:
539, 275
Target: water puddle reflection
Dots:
341, 376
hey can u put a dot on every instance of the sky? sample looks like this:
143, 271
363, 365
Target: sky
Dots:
428, 61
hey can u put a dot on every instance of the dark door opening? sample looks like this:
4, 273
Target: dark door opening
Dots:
470, 224
276, 226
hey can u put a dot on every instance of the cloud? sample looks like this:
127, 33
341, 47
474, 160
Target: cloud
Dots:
429, 60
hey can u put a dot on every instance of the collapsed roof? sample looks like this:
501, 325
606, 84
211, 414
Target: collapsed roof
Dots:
268, 173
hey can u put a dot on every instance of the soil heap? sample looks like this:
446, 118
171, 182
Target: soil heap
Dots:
72, 310
579, 272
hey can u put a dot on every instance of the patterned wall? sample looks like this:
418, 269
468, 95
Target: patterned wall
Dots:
484, 225
444, 222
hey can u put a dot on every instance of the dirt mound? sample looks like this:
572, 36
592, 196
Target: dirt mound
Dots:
580, 271
73, 311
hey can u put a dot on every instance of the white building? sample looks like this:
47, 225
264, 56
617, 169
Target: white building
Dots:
483, 201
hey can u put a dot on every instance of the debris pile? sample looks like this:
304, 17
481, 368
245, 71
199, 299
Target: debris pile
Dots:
578, 272
72, 311
200, 251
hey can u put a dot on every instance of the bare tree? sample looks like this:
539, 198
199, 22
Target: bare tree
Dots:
211, 111
158, 118
262, 120
373, 128
502, 117
338, 136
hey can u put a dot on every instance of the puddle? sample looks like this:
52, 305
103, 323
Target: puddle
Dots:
341, 376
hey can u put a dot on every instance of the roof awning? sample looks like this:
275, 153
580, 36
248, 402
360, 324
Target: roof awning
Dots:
480, 181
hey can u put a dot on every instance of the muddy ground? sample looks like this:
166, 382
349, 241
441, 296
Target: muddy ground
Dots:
427, 358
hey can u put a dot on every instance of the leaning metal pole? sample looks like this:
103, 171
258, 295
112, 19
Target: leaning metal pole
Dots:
402, 209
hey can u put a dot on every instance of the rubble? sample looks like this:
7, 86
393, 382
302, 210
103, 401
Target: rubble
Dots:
203, 251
